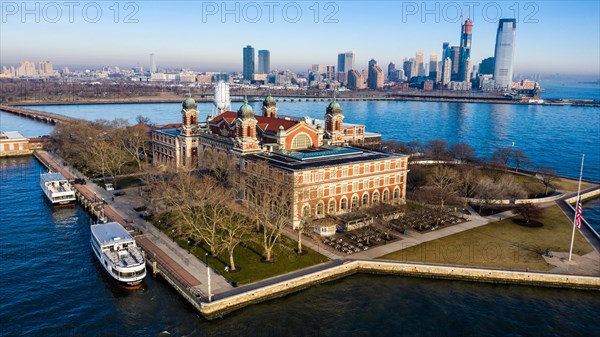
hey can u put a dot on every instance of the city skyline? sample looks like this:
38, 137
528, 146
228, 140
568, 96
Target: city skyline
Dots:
85, 44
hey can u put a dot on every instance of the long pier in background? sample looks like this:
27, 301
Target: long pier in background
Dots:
40, 116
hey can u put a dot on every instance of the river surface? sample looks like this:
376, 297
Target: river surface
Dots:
552, 136
52, 285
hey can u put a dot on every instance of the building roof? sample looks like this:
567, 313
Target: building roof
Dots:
326, 156
52, 176
11, 134
110, 233
171, 132
266, 124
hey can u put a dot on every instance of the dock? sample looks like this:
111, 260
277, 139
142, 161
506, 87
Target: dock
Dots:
162, 255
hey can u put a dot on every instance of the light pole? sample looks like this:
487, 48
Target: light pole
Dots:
208, 276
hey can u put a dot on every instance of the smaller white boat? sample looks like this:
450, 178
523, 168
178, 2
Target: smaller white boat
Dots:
57, 188
118, 254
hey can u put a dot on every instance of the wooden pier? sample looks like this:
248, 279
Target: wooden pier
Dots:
160, 262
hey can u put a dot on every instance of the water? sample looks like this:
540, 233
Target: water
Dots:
574, 90
52, 285
552, 136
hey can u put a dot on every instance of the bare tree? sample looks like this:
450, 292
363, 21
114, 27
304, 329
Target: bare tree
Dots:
501, 157
468, 178
220, 165
140, 119
529, 211
233, 231
520, 159
445, 181
437, 149
135, 141
462, 152
547, 176
195, 204
269, 199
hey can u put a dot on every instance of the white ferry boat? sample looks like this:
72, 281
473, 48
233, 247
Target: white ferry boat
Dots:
117, 252
57, 188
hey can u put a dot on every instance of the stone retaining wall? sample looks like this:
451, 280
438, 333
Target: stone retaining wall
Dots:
220, 307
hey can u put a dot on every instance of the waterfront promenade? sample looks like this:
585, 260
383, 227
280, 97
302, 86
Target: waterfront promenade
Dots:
190, 272
186, 268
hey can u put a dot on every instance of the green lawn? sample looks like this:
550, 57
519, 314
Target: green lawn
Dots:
571, 184
502, 244
248, 258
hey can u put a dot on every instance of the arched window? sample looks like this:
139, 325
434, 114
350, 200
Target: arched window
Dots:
248, 131
320, 208
375, 197
331, 209
354, 202
301, 141
365, 200
396, 193
306, 211
336, 126
344, 203
386, 195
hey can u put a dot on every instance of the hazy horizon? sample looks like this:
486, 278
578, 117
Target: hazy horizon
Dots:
551, 38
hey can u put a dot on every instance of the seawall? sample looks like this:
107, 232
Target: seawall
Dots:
223, 306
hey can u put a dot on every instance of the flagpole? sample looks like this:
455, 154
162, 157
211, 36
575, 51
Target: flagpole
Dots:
576, 207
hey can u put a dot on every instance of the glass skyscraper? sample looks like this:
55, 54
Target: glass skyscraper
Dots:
504, 53
248, 70
345, 62
264, 62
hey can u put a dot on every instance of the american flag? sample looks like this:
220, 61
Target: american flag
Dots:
578, 215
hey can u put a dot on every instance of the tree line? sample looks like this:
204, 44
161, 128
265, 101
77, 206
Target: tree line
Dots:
102, 148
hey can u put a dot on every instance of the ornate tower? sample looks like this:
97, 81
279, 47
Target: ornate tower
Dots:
269, 108
333, 123
185, 147
245, 130
189, 115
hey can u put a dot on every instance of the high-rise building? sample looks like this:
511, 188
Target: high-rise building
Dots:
465, 50
392, 72
433, 66
345, 62
152, 63
486, 67
355, 80
455, 57
46, 68
504, 53
25, 68
264, 61
445, 51
248, 70
375, 79
408, 67
447, 71
419, 65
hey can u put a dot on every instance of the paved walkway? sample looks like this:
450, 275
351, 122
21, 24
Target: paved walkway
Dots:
588, 264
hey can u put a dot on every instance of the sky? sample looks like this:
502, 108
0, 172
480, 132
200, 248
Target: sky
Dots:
552, 36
